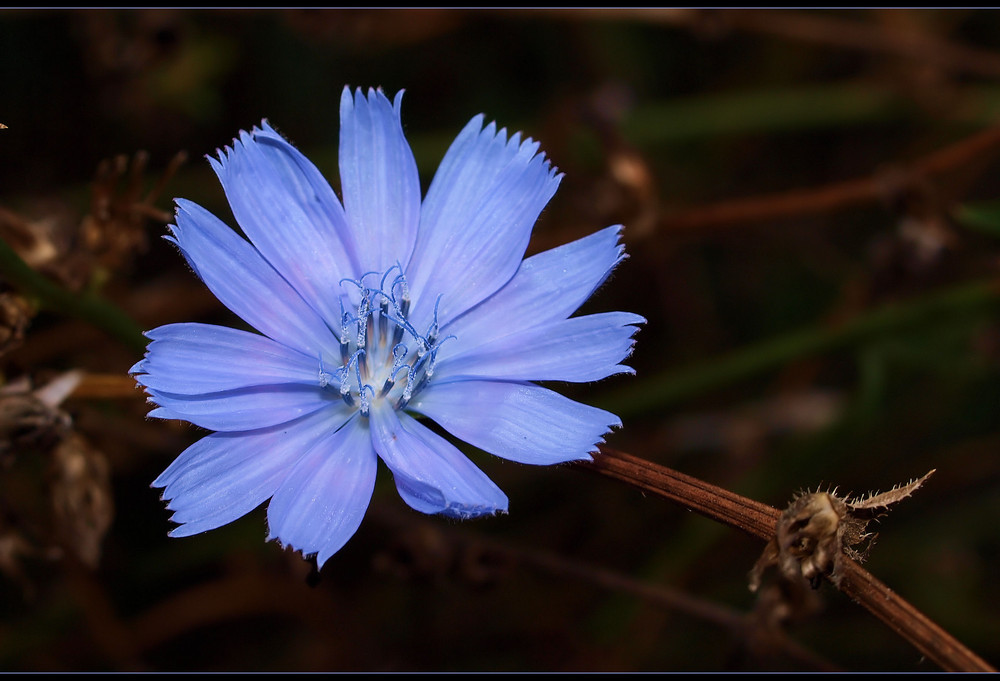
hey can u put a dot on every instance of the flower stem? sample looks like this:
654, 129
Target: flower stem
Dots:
759, 520
86, 306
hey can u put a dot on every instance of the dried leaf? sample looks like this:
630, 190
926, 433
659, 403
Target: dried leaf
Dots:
25, 419
114, 229
15, 314
877, 501
15, 551
56, 491
81, 497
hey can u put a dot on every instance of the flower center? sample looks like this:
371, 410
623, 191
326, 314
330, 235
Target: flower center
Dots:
383, 357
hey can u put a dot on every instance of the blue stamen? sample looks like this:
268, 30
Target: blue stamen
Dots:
324, 377
365, 360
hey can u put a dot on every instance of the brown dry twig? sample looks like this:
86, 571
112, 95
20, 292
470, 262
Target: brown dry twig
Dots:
811, 27
834, 196
429, 551
760, 520
107, 386
833, 31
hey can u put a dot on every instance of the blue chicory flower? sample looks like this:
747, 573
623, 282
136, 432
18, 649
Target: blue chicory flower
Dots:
373, 313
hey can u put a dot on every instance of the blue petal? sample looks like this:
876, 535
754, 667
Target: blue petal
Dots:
246, 408
291, 215
226, 475
189, 359
379, 179
247, 284
431, 475
578, 349
548, 287
476, 220
517, 421
321, 502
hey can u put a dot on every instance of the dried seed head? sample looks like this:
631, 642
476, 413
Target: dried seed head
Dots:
809, 534
817, 530
15, 315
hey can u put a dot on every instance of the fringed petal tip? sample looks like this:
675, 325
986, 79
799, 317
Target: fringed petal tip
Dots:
349, 99
623, 369
290, 546
224, 155
319, 555
634, 325
375, 95
243, 137
526, 150
189, 529
159, 412
178, 532
619, 232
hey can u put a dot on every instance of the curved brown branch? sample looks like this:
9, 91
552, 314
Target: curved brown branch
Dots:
468, 551
926, 636
759, 520
819, 200
834, 31
809, 27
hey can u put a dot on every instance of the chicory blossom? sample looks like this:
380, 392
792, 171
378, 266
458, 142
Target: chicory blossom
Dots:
374, 313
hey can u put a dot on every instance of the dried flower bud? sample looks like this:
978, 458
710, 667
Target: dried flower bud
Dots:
15, 314
81, 497
812, 537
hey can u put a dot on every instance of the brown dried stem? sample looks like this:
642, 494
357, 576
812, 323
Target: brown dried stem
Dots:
468, 553
759, 520
824, 29
815, 28
838, 195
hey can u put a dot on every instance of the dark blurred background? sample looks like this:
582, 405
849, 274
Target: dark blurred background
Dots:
811, 209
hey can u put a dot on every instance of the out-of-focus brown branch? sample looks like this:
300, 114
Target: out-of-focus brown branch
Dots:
759, 520
716, 503
818, 200
823, 29
813, 27
112, 636
246, 594
926, 636
107, 386
467, 554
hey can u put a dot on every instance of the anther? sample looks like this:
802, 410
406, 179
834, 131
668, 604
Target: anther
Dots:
365, 401
383, 319
364, 310
380, 318
345, 374
324, 377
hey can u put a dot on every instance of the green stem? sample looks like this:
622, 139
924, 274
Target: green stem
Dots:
676, 385
86, 306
